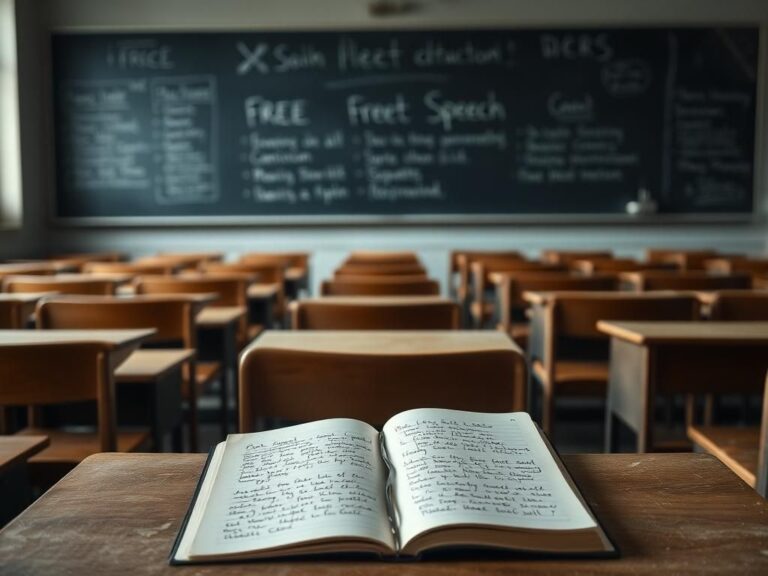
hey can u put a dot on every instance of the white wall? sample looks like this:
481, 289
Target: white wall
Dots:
330, 244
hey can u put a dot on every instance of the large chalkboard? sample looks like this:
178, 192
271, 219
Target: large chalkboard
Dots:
453, 124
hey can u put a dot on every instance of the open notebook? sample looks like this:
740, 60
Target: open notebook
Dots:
430, 479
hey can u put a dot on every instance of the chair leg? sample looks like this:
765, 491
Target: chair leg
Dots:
192, 420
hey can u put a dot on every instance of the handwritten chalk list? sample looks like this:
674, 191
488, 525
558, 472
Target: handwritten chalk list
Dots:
428, 123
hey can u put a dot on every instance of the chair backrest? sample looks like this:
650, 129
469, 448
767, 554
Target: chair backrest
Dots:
84, 286
366, 257
565, 257
469, 255
739, 306
44, 374
380, 286
11, 315
230, 290
683, 259
689, 280
263, 272
385, 313
27, 270
287, 259
729, 265
303, 383
576, 315
511, 290
172, 317
385, 269
605, 265
146, 267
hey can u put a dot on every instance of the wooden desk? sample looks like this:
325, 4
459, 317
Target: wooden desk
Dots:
26, 303
653, 358
668, 513
149, 392
17, 449
217, 329
374, 300
386, 342
122, 342
261, 300
14, 487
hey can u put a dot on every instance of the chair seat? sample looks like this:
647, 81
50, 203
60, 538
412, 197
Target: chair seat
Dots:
736, 447
576, 378
205, 373
252, 332
71, 448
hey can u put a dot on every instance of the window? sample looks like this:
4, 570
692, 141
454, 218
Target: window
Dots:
10, 153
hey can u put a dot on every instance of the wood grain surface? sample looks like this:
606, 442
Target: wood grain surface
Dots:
668, 513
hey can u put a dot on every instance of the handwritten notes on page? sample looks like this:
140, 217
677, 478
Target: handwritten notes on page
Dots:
299, 484
456, 467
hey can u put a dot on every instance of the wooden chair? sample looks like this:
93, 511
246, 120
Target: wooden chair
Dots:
179, 260
731, 265
296, 268
565, 257
264, 273
135, 268
611, 265
455, 258
37, 375
743, 449
384, 269
650, 280
28, 269
482, 307
12, 315
382, 313
373, 257
172, 316
380, 286
512, 306
230, 290
739, 306
83, 286
682, 259
340, 375
569, 356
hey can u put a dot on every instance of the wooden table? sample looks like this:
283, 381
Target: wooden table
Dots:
653, 358
668, 514
149, 392
217, 339
14, 487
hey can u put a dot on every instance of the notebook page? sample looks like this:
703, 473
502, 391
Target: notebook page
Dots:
319, 480
455, 467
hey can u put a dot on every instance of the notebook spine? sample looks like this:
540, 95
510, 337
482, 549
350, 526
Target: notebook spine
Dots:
389, 492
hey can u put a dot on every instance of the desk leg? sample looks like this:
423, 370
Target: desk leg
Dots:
220, 344
260, 311
627, 393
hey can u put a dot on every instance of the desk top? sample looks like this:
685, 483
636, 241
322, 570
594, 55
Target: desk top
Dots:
69, 278
668, 513
114, 338
14, 449
263, 291
295, 273
24, 297
544, 298
687, 332
149, 365
27, 268
378, 300
387, 342
220, 316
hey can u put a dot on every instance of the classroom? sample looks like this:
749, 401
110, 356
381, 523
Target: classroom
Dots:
383, 287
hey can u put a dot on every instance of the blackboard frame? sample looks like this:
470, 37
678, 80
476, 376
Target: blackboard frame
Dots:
757, 214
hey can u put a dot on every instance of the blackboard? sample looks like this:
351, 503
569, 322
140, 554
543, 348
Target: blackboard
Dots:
441, 124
